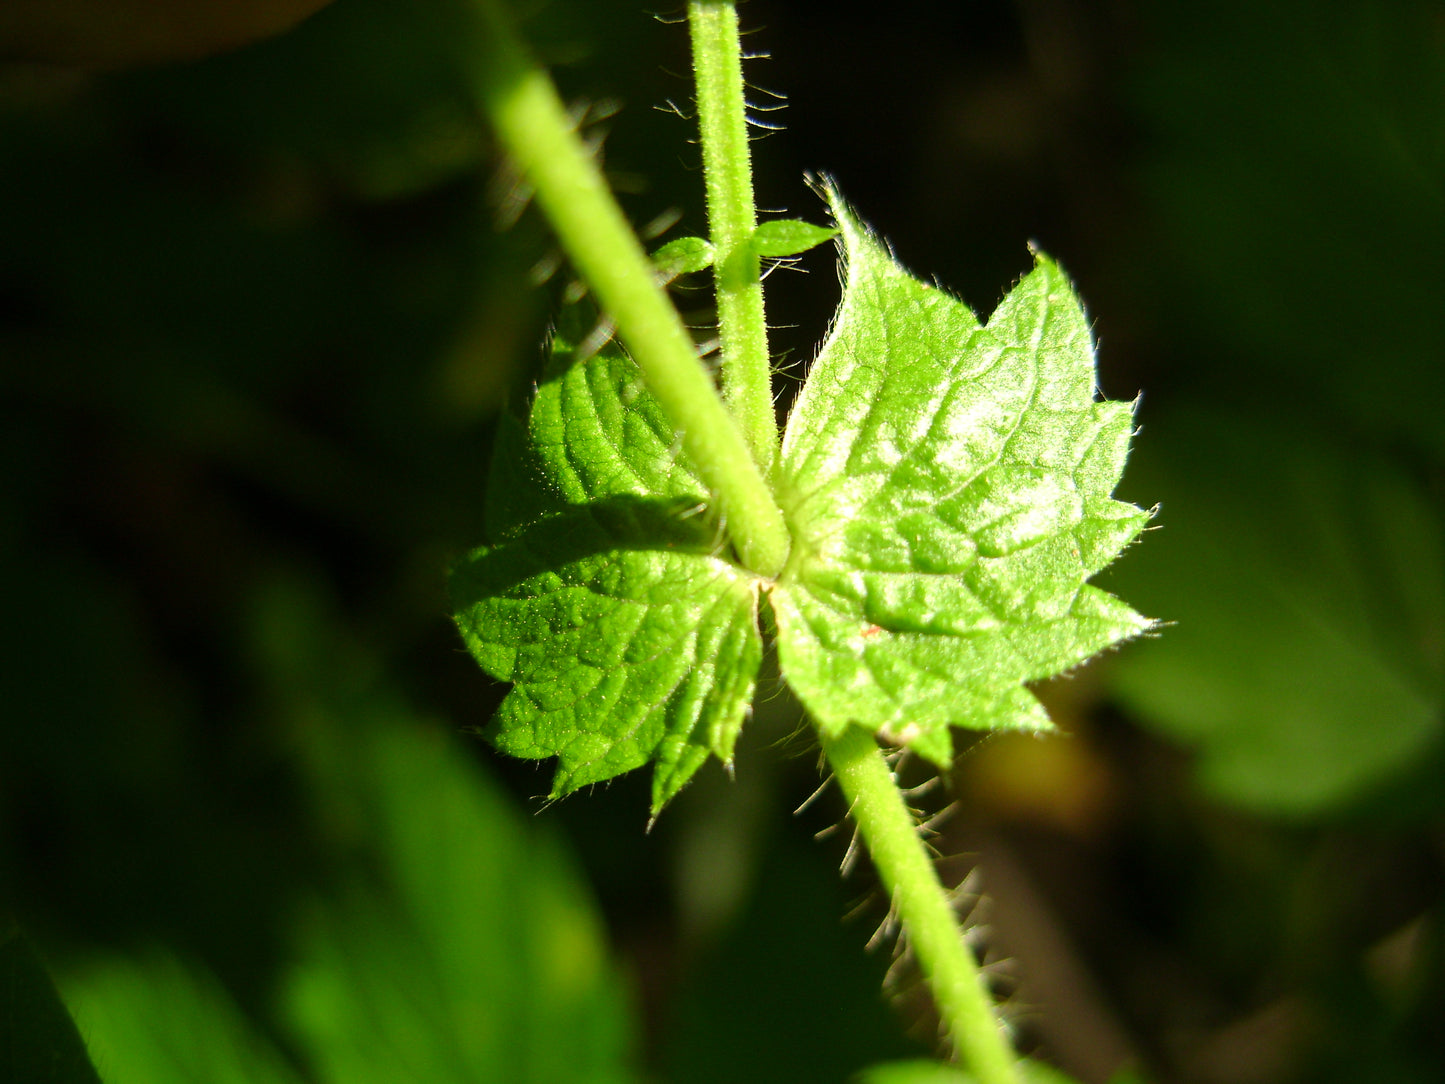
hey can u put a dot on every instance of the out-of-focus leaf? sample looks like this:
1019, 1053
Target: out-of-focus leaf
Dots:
156, 1020
38, 1041
474, 955
461, 949
682, 256
1308, 587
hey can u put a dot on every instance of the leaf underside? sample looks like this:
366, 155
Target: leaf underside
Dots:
602, 598
948, 489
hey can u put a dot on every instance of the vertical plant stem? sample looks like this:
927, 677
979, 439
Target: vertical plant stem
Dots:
732, 218
907, 870
532, 124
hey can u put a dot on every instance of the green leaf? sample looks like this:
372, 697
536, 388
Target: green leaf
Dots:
464, 947
154, 1019
38, 1041
948, 487
788, 237
455, 944
606, 600
1307, 669
683, 256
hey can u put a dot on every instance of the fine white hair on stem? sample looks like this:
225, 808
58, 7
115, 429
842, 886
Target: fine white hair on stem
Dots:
766, 126
670, 106
509, 194
600, 335
810, 799
547, 266
965, 896
825, 833
860, 906
929, 827
889, 927
851, 855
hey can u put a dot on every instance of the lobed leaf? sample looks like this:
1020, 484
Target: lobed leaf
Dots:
949, 490
627, 638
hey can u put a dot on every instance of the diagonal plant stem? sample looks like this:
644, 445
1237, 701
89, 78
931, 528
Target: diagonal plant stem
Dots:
906, 869
732, 218
532, 124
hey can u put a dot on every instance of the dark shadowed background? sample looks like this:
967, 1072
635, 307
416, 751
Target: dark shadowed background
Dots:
259, 313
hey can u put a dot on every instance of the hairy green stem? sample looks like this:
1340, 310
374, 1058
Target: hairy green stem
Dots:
533, 125
906, 869
732, 218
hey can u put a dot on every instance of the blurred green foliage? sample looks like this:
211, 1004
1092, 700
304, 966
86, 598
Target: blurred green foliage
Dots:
38, 1040
1309, 665
1306, 663
257, 318
452, 940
